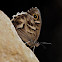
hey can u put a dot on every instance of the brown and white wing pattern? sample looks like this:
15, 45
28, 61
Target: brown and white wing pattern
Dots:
28, 25
35, 12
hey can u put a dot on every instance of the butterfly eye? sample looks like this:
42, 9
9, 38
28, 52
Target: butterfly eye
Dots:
35, 16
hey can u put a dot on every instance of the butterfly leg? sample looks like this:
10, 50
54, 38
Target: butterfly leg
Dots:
33, 48
27, 42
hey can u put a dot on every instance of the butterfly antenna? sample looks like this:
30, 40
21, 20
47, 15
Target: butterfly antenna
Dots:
43, 43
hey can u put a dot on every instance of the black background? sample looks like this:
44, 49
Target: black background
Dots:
51, 30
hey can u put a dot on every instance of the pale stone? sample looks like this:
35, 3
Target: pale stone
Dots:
12, 48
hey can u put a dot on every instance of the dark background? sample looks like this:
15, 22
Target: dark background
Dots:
51, 30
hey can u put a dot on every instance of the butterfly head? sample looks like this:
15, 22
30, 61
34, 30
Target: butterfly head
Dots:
33, 43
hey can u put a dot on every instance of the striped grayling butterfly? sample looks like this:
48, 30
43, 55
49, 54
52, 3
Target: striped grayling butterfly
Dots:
28, 26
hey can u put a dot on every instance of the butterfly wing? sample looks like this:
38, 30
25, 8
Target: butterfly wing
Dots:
28, 26
38, 21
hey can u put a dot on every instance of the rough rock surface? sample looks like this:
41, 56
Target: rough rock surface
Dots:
12, 48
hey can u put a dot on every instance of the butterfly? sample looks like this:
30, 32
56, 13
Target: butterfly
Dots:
28, 26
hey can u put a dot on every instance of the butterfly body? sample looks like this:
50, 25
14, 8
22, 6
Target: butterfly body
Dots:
28, 26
